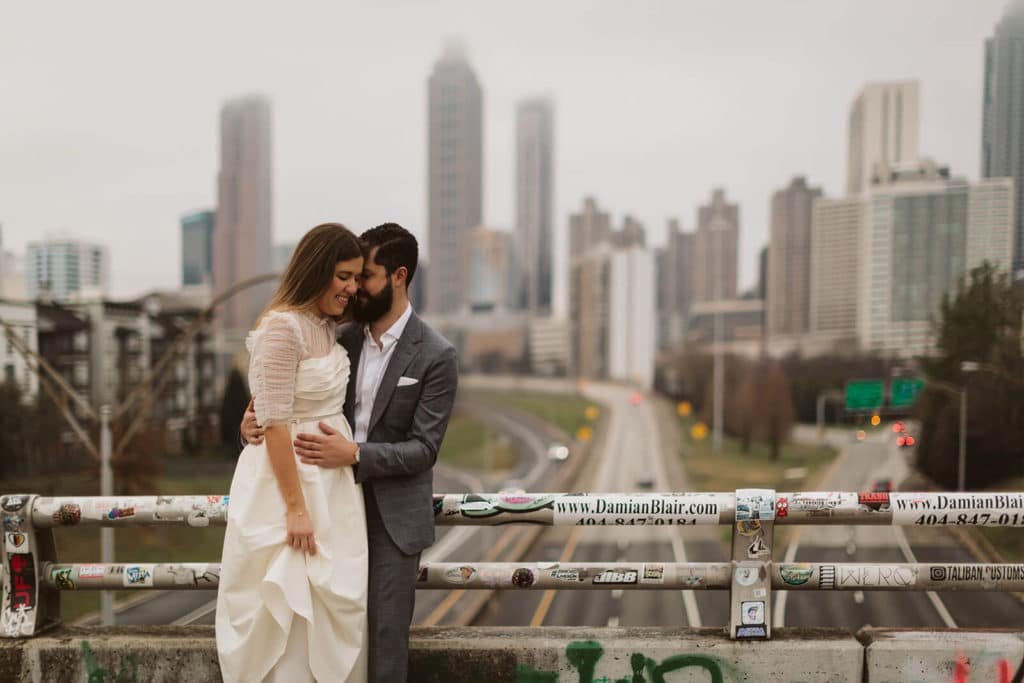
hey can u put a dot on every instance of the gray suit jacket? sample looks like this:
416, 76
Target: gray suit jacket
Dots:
406, 428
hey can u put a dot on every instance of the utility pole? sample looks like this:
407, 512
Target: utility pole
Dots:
719, 367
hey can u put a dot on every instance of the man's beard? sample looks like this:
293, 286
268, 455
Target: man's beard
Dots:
370, 309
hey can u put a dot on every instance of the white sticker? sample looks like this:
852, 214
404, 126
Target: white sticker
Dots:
969, 509
746, 576
16, 542
654, 510
91, 571
752, 612
755, 504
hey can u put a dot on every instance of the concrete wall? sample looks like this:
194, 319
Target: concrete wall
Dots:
550, 655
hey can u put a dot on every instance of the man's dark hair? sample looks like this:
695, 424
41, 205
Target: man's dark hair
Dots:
397, 248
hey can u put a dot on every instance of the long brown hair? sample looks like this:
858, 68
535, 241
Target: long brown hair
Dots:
312, 265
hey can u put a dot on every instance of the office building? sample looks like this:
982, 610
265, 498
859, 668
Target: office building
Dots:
835, 249
197, 248
65, 269
675, 285
883, 129
716, 250
454, 175
242, 237
492, 273
922, 230
590, 227
535, 199
787, 276
1002, 133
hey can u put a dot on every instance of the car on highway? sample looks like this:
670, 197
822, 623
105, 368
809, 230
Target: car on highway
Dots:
905, 440
645, 482
558, 451
882, 486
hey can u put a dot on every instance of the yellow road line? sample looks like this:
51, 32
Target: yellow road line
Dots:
549, 595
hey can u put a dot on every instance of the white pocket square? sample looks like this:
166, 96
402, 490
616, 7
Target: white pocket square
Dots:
407, 381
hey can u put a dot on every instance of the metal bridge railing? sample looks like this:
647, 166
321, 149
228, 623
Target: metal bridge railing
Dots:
33, 579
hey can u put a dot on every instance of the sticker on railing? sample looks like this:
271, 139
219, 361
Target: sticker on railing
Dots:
958, 509
622, 510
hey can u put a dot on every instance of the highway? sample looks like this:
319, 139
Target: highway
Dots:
632, 451
857, 467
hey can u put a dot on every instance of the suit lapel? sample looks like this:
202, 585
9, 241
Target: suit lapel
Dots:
403, 355
351, 339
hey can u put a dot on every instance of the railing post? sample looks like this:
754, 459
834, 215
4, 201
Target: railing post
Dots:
26, 607
750, 593
106, 533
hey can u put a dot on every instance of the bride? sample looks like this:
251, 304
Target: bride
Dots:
292, 599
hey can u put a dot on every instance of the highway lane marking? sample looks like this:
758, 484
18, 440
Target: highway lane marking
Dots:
933, 597
678, 549
196, 614
779, 611
449, 601
541, 612
613, 621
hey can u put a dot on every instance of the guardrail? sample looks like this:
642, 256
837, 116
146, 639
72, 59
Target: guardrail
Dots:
33, 579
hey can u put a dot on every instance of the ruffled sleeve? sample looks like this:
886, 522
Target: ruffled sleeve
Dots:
275, 348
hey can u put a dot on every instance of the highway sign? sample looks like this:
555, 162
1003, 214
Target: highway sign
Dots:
865, 395
905, 391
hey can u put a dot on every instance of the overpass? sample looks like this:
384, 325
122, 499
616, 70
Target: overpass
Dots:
695, 638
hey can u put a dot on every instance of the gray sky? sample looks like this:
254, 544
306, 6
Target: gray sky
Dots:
108, 122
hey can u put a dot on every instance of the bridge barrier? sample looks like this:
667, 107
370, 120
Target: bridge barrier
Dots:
34, 578
548, 654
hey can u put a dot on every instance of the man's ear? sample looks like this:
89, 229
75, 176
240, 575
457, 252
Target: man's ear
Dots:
401, 275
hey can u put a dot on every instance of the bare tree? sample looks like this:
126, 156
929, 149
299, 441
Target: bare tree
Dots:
774, 413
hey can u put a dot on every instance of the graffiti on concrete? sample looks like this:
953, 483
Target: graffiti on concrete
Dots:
583, 658
127, 672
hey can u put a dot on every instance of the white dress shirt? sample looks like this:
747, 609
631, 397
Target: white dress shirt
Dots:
373, 363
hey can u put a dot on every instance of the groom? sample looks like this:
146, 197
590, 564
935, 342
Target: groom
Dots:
400, 396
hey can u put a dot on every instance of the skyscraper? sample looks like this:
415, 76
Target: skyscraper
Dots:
535, 196
454, 175
66, 268
242, 236
922, 230
788, 295
716, 257
835, 249
675, 285
883, 129
1002, 132
587, 228
197, 248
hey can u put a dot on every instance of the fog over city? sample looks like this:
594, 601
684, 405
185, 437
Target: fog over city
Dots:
109, 126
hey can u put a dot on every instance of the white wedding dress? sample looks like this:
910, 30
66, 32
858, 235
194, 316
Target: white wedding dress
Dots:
283, 615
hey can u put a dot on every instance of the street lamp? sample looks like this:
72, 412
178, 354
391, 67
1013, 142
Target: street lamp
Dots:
966, 366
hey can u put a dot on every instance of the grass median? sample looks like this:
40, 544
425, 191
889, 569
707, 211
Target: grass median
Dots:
471, 443
567, 412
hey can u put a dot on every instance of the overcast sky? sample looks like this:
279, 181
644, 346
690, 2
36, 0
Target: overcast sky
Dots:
109, 110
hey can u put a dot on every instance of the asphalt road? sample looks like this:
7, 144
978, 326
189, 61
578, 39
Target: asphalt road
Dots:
859, 465
633, 451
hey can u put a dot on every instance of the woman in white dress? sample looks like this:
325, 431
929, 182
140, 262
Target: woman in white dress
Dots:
292, 599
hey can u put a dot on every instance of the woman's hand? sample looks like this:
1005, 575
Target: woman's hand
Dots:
300, 531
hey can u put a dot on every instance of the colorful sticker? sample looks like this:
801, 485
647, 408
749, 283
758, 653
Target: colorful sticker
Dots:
68, 514
653, 573
522, 578
873, 500
748, 527
15, 542
796, 574
781, 507
62, 577
138, 575
459, 574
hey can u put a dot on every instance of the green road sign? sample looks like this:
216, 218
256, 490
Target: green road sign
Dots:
905, 391
865, 395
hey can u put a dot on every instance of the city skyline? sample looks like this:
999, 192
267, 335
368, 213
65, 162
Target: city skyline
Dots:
127, 156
